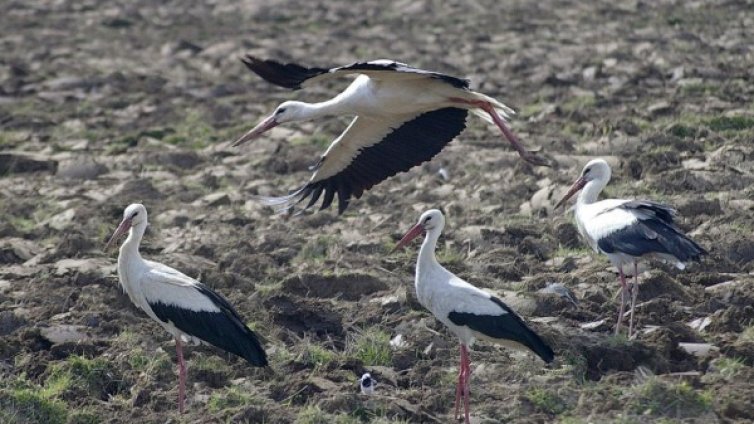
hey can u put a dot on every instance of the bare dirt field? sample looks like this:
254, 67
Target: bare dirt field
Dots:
107, 103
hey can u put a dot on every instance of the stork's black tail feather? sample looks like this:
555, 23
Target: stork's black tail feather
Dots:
507, 326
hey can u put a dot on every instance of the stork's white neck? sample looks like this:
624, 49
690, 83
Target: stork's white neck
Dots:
590, 192
332, 107
427, 259
130, 249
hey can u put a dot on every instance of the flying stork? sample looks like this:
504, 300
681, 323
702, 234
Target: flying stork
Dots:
403, 116
186, 308
627, 231
470, 313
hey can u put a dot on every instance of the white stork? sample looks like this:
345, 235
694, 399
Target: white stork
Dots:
469, 313
186, 308
403, 116
627, 231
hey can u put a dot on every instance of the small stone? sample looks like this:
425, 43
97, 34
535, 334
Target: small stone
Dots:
62, 220
216, 199
81, 169
17, 163
660, 108
698, 349
65, 333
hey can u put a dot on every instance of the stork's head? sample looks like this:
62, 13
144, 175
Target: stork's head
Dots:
431, 220
287, 112
133, 216
596, 170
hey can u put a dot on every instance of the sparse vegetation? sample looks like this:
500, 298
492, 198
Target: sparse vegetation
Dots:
731, 123
546, 400
372, 347
230, 398
675, 400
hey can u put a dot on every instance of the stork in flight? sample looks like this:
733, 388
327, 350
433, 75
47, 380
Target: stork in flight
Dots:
627, 231
186, 308
403, 116
469, 313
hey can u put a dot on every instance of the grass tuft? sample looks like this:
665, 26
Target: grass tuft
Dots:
372, 347
312, 414
232, 397
316, 356
30, 405
731, 123
656, 397
79, 376
546, 401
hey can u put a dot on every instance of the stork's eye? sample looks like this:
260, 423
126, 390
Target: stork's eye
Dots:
586, 171
427, 220
134, 215
281, 110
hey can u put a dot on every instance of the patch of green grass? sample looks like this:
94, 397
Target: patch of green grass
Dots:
30, 405
578, 103
682, 130
192, 132
12, 138
372, 347
450, 256
617, 340
577, 365
312, 414
748, 334
232, 397
316, 249
731, 123
729, 368
84, 416
546, 400
79, 376
316, 356
700, 89
656, 397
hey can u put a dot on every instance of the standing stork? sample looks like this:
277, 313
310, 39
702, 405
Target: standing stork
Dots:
404, 116
186, 308
469, 313
627, 231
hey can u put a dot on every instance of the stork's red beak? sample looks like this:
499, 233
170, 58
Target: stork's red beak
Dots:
123, 228
413, 233
264, 126
577, 185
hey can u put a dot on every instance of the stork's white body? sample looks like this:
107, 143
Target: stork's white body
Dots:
442, 292
148, 282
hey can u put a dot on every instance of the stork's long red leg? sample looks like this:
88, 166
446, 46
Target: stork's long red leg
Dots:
181, 374
488, 107
466, 382
459, 386
634, 295
623, 292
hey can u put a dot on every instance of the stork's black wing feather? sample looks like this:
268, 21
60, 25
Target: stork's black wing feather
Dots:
414, 142
291, 75
223, 329
507, 326
653, 232
288, 75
